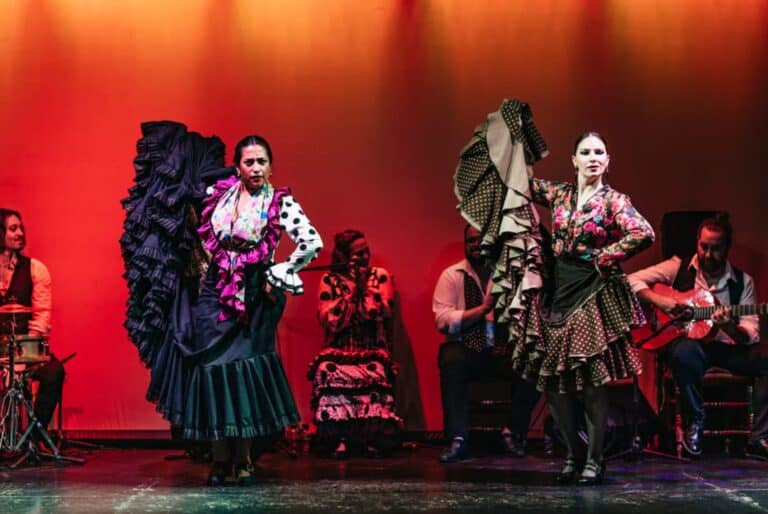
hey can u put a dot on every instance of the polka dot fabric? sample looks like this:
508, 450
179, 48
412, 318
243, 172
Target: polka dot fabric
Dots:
510, 236
592, 345
356, 320
295, 223
352, 378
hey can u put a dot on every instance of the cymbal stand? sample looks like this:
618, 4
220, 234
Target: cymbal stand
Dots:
15, 398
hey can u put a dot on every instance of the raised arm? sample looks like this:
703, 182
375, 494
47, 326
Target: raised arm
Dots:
543, 191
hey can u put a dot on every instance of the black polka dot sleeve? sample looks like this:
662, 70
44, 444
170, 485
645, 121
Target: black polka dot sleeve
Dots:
295, 223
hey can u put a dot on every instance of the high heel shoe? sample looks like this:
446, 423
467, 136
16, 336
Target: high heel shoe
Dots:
569, 472
218, 474
243, 475
341, 452
593, 473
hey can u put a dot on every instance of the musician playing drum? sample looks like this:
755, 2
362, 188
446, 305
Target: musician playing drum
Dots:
732, 342
26, 281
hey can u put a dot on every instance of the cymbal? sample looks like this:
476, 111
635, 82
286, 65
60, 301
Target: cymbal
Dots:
17, 308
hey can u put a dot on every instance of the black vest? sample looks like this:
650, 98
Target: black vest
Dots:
19, 291
686, 279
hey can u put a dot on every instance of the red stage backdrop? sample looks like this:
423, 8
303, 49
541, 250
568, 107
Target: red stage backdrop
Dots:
367, 105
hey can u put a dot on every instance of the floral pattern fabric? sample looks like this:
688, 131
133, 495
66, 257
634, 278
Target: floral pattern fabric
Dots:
590, 343
252, 218
605, 230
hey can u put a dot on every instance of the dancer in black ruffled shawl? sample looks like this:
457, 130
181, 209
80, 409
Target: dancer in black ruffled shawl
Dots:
215, 371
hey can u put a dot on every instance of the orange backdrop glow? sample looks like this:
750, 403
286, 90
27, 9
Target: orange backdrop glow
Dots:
367, 105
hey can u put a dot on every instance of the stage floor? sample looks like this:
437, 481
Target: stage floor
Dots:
166, 481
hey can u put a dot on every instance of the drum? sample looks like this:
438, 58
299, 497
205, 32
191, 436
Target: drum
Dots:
29, 349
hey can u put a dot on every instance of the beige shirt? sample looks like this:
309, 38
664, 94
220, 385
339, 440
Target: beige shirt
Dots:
41, 293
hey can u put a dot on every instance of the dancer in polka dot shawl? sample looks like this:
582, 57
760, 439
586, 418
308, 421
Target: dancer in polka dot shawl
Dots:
569, 319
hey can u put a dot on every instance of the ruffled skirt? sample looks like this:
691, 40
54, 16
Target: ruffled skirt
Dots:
234, 381
352, 395
585, 334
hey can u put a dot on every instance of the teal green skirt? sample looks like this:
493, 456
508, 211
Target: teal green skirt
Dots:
235, 384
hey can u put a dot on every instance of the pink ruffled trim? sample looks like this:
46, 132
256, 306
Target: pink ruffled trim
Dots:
232, 273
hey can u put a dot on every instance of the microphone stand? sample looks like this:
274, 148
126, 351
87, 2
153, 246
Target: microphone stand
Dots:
636, 449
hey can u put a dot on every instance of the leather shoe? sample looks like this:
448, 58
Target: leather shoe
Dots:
454, 453
757, 449
692, 438
514, 444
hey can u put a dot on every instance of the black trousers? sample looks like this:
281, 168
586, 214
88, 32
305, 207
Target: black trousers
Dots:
460, 366
689, 359
50, 377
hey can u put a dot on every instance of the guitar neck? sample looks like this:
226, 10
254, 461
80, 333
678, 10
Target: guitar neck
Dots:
736, 310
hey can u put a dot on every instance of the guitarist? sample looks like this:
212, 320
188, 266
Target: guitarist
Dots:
733, 345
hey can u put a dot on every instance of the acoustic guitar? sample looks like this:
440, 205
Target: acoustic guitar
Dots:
693, 321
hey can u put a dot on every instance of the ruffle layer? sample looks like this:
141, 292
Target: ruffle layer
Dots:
232, 271
345, 407
603, 321
160, 247
360, 357
337, 373
258, 400
508, 223
517, 279
281, 275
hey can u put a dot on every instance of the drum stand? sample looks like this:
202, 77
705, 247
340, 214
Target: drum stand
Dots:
15, 398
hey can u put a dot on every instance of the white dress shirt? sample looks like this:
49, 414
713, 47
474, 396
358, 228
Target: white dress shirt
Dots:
448, 299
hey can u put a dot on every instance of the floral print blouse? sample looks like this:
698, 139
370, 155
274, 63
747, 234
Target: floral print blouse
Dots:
605, 230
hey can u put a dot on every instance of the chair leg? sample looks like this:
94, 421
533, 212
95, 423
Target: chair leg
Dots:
738, 425
750, 407
678, 424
